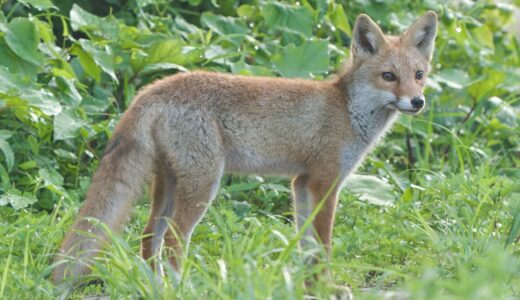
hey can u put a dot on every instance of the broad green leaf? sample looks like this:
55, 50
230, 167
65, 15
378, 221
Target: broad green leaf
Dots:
94, 104
219, 54
488, 85
371, 189
162, 67
506, 113
164, 51
10, 83
15, 63
39, 4
304, 60
243, 186
278, 188
172, 51
45, 31
26, 92
245, 69
71, 95
63, 69
223, 25
241, 208
288, 17
17, 199
67, 125
101, 58
43, 100
339, 19
22, 37
8, 153
483, 36
87, 22
138, 59
5, 182
30, 164
51, 177
247, 11
5, 134
407, 195
454, 78
67, 155
234, 29
87, 62
214, 52
183, 25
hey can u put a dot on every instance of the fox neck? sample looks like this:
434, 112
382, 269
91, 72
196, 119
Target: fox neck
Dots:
368, 118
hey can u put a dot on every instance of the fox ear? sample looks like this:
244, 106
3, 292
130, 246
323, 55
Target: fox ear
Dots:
367, 37
422, 34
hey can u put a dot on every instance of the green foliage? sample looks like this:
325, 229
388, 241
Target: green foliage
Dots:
436, 213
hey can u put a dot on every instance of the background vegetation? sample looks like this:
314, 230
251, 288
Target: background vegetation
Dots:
435, 213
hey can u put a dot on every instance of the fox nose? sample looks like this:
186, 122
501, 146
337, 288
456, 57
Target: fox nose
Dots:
417, 102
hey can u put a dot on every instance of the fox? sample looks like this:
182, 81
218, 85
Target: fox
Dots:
183, 132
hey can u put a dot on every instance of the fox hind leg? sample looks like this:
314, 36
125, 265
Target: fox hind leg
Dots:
177, 207
162, 190
191, 202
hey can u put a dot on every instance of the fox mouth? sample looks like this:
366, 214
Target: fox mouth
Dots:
411, 111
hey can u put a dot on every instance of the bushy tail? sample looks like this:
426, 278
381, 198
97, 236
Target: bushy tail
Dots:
115, 186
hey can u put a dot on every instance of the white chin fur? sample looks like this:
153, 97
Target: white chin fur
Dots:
404, 105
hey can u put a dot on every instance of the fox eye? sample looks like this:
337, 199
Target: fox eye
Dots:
419, 75
389, 76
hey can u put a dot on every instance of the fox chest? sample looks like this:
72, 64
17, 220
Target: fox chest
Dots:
352, 155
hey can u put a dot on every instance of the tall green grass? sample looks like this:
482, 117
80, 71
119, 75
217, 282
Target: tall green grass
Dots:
451, 240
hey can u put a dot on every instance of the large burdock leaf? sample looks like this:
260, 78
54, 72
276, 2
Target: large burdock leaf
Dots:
371, 189
291, 18
22, 37
304, 60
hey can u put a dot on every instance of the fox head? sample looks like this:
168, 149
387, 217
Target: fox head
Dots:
393, 69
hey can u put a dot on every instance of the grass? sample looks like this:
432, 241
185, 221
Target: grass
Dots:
455, 238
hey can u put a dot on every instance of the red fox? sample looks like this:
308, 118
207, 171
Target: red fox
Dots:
183, 132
